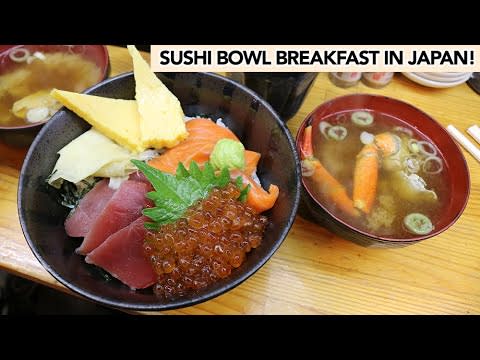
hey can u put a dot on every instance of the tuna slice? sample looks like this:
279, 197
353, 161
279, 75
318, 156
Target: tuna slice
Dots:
123, 257
138, 176
123, 208
80, 221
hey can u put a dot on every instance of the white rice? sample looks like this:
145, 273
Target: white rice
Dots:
256, 178
221, 123
148, 154
115, 182
188, 118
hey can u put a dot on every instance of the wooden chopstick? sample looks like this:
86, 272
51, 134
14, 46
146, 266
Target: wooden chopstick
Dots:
467, 144
474, 132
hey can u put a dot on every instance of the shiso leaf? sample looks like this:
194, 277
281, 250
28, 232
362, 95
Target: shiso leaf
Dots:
174, 194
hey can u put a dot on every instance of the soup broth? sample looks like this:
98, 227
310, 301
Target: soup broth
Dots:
412, 180
26, 85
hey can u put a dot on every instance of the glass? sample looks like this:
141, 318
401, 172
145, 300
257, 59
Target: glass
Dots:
345, 79
377, 79
284, 91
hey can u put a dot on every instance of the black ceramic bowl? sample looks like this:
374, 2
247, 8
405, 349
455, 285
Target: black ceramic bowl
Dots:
253, 121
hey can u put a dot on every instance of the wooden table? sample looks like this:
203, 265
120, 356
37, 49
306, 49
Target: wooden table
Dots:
315, 272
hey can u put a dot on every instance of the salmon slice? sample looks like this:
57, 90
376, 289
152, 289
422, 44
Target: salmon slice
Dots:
206, 129
251, 161
123, 257
185, 152
81, 220
203, 135
259, 199
123, 208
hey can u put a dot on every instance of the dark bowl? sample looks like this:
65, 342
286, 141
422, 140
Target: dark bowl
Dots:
459, 178
22, 136
248, 116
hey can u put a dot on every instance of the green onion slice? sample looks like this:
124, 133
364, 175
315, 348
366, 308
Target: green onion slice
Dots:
362, 118
418, 224
337, 132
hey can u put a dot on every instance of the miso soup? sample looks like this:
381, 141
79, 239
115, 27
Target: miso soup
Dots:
377, 173
26, 78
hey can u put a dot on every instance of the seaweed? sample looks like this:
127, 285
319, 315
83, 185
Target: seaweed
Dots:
71, 194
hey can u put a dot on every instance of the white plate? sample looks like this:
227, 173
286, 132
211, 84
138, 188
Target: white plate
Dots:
435, 84
446, 74
440, 78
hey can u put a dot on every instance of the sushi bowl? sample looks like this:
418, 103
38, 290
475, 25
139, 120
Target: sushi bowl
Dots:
347, 215
252, 120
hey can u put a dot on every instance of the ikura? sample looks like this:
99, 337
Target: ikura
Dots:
205, 245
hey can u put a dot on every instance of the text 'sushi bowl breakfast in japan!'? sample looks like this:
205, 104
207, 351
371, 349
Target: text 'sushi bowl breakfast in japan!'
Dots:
171, 210
372, 164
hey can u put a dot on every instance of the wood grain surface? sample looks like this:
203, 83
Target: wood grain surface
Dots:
315, 272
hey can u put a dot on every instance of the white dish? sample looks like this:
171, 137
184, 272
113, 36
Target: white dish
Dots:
446, 74
440, 78
435, 84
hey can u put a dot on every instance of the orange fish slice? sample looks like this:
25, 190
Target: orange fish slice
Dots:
203, 135
259, 199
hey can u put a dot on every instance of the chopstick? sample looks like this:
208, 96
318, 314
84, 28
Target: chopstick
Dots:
467, 144
474, 132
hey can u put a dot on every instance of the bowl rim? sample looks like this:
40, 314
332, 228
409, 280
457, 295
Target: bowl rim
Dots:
365, 233
434, 83
177, 303
104, 66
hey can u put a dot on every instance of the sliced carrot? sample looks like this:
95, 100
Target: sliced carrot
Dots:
365, 178
387, 143
330, 188
259, 199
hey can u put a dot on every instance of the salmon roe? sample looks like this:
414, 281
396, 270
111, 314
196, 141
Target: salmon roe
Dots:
205, 245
